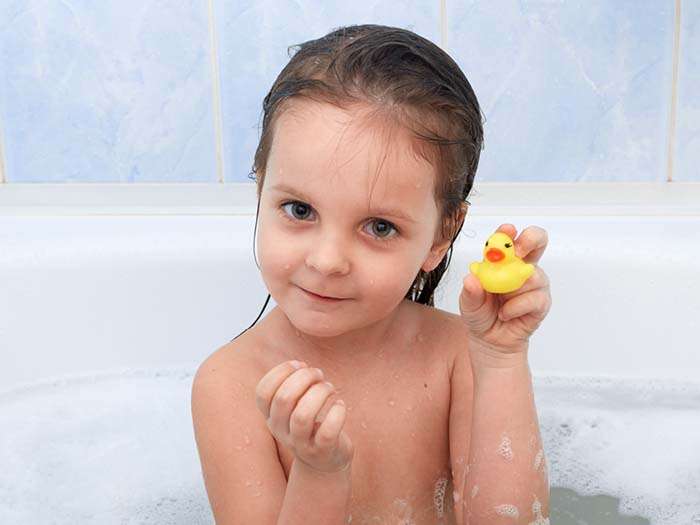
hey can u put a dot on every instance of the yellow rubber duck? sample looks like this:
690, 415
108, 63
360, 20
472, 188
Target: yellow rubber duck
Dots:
501, 271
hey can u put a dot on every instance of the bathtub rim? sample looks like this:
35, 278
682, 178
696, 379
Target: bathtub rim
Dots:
239, 198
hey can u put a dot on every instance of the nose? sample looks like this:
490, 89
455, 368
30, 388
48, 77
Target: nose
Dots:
327, 256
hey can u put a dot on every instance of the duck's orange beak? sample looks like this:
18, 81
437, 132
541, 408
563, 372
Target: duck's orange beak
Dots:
495, 255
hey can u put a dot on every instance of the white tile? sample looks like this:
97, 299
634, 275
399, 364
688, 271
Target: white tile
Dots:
106, 91
687, 147
571, 91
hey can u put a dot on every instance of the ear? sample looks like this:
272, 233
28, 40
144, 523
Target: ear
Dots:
438, 250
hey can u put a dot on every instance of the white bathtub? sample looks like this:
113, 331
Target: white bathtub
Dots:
107, 308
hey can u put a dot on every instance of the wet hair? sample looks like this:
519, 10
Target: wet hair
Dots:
397, 78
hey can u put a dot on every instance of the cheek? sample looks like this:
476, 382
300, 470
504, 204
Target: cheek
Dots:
274, 253
388, 278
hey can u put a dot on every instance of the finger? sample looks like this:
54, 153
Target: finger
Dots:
270, 382
535, 303
509, 229
531, 244
287, 396
327, 434
301, 422
536, 281
473, 297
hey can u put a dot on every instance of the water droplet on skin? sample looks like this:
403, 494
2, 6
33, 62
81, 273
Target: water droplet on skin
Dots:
409, 409
248, 483
391, 402
247, 440
287, 266
371, 282
475, 490
421, 338
364, 425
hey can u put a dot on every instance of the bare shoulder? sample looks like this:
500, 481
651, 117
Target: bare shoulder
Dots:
233, 439
446, 329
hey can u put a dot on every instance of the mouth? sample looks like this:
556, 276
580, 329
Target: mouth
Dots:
322, 297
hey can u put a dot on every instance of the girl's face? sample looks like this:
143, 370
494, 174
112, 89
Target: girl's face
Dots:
322, 231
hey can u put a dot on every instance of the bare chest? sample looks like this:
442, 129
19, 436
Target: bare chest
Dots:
401, 467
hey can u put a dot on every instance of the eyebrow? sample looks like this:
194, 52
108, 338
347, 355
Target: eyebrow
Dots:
394, 212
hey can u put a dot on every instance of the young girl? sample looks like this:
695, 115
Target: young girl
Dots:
355, 400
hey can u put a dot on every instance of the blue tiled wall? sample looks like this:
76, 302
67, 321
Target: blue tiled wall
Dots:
125, 91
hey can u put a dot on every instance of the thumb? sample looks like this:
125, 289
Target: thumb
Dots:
476, 306
473, 295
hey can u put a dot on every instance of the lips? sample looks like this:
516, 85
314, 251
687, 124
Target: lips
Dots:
323, 296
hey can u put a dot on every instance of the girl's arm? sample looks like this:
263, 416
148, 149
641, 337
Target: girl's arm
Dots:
314, 497
244, 479
506, 479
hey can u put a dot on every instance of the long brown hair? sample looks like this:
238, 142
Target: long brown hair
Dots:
404, 80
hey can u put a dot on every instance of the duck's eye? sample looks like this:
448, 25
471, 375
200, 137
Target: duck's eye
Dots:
508, 245
487, 243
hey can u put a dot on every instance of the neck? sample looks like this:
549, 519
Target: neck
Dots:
352, 350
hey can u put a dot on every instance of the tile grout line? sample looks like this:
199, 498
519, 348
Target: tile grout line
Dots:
674, 93
216, 94
443, 25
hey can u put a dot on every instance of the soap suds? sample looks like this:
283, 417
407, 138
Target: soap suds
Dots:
505, 449
537, 511
538, 459
508, 510
439, 496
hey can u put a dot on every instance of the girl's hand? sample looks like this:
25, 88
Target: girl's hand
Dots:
501, 324
291, 400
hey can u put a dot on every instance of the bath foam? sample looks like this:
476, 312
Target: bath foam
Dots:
635, 440
632, 439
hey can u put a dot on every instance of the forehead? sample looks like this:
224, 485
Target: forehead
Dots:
321, 146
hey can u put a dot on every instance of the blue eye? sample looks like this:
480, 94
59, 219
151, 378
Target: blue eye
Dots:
301, 206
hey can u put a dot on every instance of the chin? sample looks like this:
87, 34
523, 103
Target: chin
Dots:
317, 324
